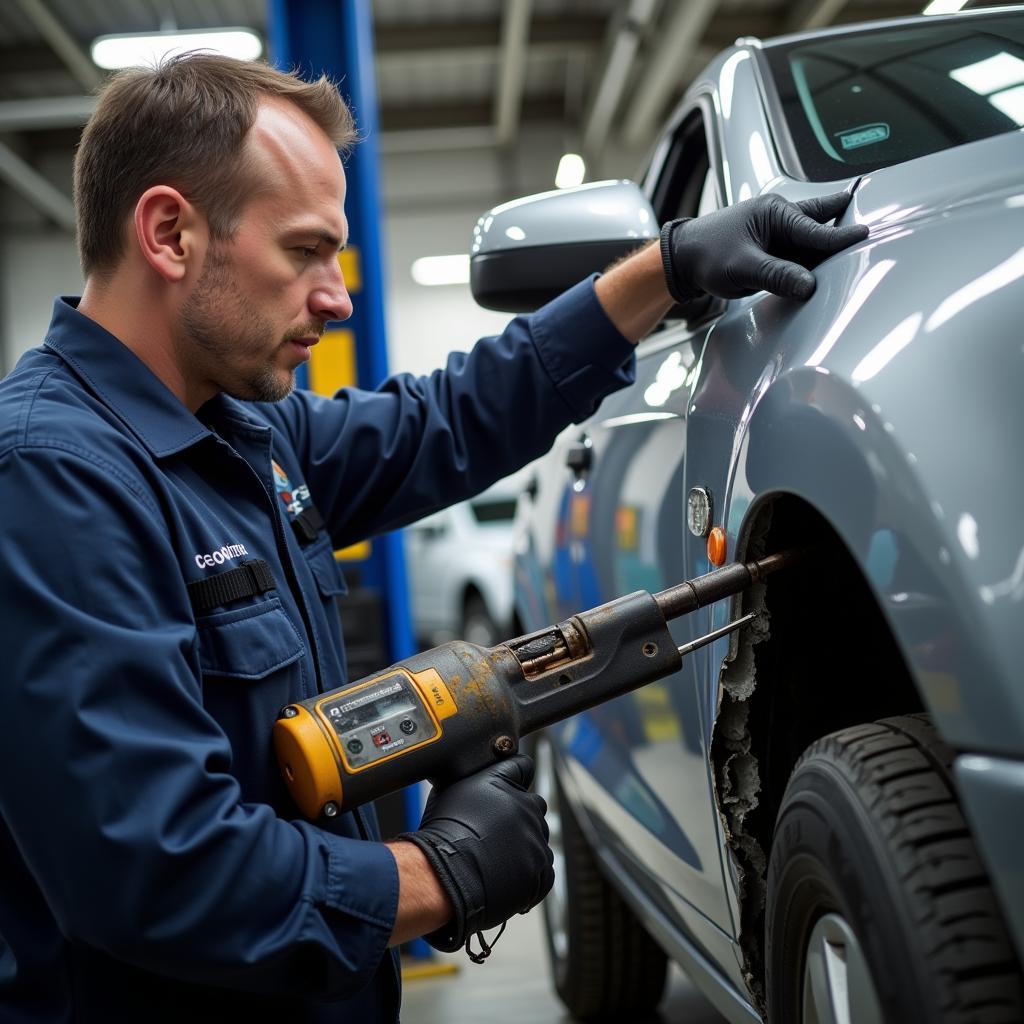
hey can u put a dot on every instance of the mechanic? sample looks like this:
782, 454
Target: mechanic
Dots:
171, 506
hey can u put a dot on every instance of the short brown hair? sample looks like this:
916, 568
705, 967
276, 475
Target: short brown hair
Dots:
183, 124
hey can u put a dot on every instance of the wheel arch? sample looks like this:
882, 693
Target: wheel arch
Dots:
818, 438
878, 621
816, 468
790, 684
470, 589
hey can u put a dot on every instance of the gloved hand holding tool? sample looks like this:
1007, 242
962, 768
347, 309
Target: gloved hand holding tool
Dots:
765, 243
486, 839
455, 714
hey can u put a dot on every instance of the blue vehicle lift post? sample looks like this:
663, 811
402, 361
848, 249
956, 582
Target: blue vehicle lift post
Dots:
335, 37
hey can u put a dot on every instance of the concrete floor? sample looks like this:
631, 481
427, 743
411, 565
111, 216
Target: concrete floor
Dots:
514, 987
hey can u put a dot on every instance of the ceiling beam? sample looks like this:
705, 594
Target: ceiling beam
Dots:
400, 42
31, 185
443, 116
437, 140
726, 28
416, 122
611, 82
45, 113
663, 73
855, 12
515, 34
811, 14
17, 60
63, 43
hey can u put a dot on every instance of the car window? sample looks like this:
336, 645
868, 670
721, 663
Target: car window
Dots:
686, 184
494, 510
854, 103
708, 195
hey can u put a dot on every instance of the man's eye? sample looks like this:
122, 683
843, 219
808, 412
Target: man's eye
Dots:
307, 251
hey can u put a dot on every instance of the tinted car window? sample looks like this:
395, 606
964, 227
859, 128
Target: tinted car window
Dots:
494, 511
859, 102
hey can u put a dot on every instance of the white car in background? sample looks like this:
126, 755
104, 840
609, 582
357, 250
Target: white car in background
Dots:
459, 564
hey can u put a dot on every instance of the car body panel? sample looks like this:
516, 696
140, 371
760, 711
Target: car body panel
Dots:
890, 403
859, 366
644, 734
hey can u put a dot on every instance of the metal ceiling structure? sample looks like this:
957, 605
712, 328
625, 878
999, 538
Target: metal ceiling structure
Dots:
452, 74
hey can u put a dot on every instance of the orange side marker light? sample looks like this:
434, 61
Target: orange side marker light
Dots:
716, 546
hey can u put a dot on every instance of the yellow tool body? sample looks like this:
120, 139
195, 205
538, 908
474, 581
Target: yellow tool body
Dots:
448, 712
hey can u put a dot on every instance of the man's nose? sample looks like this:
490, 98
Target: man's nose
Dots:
330, 300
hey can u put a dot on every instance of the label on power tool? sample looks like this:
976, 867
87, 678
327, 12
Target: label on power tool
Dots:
379, 719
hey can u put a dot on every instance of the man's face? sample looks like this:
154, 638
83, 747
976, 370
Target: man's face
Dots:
263, 298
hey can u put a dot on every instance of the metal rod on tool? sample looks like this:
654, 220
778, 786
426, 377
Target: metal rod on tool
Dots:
729, 627
719, 583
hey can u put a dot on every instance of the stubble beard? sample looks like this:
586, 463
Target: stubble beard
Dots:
226, 335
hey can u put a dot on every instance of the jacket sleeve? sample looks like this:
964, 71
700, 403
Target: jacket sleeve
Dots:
377, 460
116, 784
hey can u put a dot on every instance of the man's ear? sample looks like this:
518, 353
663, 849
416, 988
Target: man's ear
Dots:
171, 233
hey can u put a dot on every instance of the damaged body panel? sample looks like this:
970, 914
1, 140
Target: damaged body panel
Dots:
877, 423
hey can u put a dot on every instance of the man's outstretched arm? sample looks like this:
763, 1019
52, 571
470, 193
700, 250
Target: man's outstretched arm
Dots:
762, 244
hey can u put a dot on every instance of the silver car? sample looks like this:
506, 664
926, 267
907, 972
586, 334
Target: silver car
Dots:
459, 564
820, 818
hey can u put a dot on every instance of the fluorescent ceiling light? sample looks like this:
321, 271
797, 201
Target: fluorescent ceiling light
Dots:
146, 49
571, 171
987, 76
944, 6
435, 270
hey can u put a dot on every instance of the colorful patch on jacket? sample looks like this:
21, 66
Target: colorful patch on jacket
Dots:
296, 499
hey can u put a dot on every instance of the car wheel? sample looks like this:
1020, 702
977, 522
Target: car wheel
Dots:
477, 625
604, 963
878, 906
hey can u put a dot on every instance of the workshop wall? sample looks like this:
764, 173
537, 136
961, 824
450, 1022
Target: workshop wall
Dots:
426, 323
34, 268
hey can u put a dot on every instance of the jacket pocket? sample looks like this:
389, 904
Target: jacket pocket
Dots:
330, 584
248, 643
330, 580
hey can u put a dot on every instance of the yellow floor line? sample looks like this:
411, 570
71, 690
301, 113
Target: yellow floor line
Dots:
413, 969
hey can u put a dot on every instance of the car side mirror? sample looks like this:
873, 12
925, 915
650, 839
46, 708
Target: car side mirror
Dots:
526, 252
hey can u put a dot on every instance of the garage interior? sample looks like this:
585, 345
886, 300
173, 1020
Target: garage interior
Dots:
479, 101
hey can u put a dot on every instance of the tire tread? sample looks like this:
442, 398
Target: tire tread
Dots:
614, 969
902, 770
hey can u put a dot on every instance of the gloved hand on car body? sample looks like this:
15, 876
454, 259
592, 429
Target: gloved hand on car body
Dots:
765, 243
487, 841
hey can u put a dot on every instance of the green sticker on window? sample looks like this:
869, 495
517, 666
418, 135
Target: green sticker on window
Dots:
863, 135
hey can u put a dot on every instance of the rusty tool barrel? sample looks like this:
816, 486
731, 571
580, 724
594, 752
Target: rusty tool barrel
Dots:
719, 583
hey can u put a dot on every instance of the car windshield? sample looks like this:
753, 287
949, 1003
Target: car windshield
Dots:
857, 102
494, 510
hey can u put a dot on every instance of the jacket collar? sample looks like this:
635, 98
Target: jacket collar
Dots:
123, 382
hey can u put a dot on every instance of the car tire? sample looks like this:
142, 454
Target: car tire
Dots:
877, 898
477, 625
604, 964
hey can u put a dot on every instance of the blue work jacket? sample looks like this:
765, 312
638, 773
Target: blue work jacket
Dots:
152, 865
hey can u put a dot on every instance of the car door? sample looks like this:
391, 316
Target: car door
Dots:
642, 760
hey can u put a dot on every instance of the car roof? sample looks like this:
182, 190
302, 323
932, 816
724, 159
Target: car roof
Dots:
868, 26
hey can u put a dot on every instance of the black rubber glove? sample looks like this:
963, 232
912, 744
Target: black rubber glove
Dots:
487, 841
765, 243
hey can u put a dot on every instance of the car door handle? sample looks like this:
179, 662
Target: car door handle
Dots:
580, 456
